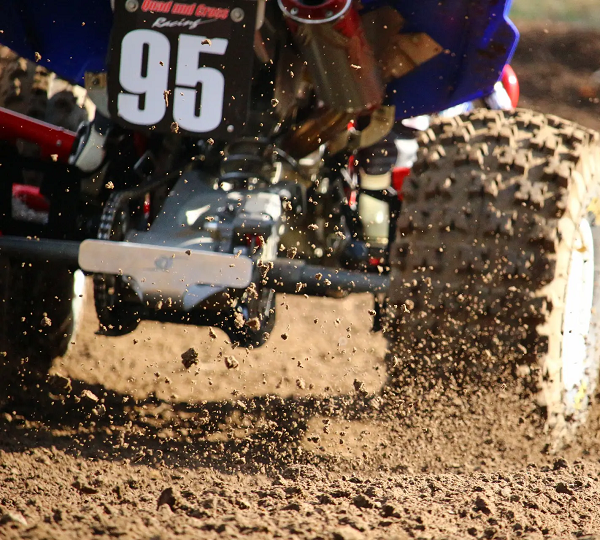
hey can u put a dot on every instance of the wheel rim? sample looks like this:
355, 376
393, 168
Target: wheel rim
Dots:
78, 299
577, 372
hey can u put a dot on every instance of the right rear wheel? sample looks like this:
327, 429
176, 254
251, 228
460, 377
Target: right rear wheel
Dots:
496, 261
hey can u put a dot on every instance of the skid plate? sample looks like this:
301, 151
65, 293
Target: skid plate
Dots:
166, 272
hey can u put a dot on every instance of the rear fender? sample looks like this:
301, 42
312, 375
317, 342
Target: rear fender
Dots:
477, 40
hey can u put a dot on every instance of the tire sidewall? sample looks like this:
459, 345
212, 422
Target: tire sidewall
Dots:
578, 414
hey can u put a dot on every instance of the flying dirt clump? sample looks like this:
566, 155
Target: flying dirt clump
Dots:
254, 324
89, 395
189, 358
239, 320
360, 387
231, 362
60, 385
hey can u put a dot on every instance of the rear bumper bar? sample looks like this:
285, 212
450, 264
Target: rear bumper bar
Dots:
217, 269
295, 277
32, 249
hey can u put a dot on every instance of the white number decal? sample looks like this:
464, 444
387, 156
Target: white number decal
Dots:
151, 84
189, 75
143, 102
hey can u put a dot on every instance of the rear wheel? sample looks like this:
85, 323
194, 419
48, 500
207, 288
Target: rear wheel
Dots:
496, 259
25, 86
39, 301
39, 308
253, 319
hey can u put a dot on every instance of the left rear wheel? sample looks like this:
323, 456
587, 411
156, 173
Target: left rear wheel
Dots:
39, 308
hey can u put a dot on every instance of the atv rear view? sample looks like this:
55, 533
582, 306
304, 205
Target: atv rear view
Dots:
242, 149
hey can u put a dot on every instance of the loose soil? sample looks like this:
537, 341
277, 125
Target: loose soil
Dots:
298, 441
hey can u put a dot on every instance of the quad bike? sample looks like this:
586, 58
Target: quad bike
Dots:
243, 148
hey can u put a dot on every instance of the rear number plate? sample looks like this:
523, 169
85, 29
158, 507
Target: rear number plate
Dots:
182, 66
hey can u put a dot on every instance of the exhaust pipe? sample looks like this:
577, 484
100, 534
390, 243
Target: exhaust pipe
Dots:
340, 60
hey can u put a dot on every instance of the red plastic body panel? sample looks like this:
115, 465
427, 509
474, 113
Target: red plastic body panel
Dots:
511, 84
54, 142
398, 176
31, 196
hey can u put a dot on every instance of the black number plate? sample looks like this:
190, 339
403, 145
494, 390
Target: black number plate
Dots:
182, 65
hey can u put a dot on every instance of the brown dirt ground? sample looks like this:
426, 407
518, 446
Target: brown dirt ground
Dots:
285, 446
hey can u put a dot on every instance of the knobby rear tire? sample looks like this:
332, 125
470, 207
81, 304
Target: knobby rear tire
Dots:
499, 208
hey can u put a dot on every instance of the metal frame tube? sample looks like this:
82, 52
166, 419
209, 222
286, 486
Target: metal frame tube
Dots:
40, 249
296, 277
287, 276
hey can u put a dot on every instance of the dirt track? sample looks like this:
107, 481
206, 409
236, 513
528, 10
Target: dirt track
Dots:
555, 66
318, 457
